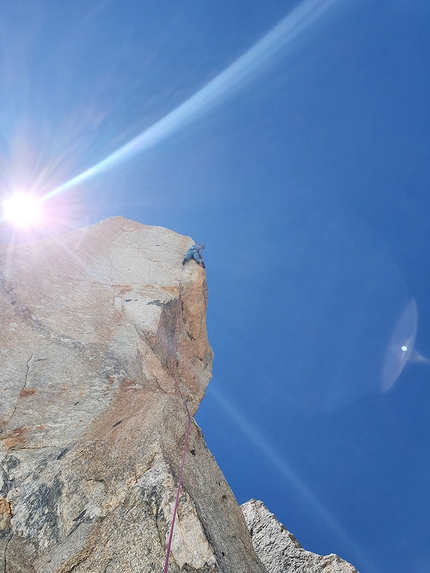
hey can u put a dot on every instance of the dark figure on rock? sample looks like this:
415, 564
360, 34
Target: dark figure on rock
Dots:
195, 252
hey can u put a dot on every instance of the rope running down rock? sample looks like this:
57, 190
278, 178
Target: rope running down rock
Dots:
187, 433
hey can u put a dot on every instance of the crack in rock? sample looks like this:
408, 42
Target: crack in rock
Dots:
22, 389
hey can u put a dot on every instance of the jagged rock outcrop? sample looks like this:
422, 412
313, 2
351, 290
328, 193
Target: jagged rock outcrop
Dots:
93, 326
92, 429
279, 550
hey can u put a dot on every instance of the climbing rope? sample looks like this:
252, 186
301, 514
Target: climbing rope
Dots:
187, 433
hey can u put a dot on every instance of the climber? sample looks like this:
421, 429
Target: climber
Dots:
195, 251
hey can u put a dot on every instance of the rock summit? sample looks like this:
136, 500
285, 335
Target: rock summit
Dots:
92, 427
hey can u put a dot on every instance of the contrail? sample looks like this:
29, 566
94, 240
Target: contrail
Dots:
213, 92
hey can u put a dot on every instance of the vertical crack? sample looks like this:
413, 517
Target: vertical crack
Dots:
28, 371
23, 388
4, 554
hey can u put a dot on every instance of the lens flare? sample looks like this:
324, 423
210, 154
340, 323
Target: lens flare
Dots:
241, 71
23, 210
269, 452
400, 347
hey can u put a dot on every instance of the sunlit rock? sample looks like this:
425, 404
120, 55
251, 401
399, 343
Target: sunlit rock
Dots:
92, 428
280, 551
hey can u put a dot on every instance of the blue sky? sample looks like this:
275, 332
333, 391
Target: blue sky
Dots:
300, 156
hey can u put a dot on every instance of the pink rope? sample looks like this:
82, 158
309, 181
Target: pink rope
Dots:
187, 433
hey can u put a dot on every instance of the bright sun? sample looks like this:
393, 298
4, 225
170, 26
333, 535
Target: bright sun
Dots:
23, 210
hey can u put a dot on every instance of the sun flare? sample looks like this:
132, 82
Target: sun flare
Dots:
23, 210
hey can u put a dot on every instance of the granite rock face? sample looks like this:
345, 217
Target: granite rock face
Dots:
92, 429
279, 550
